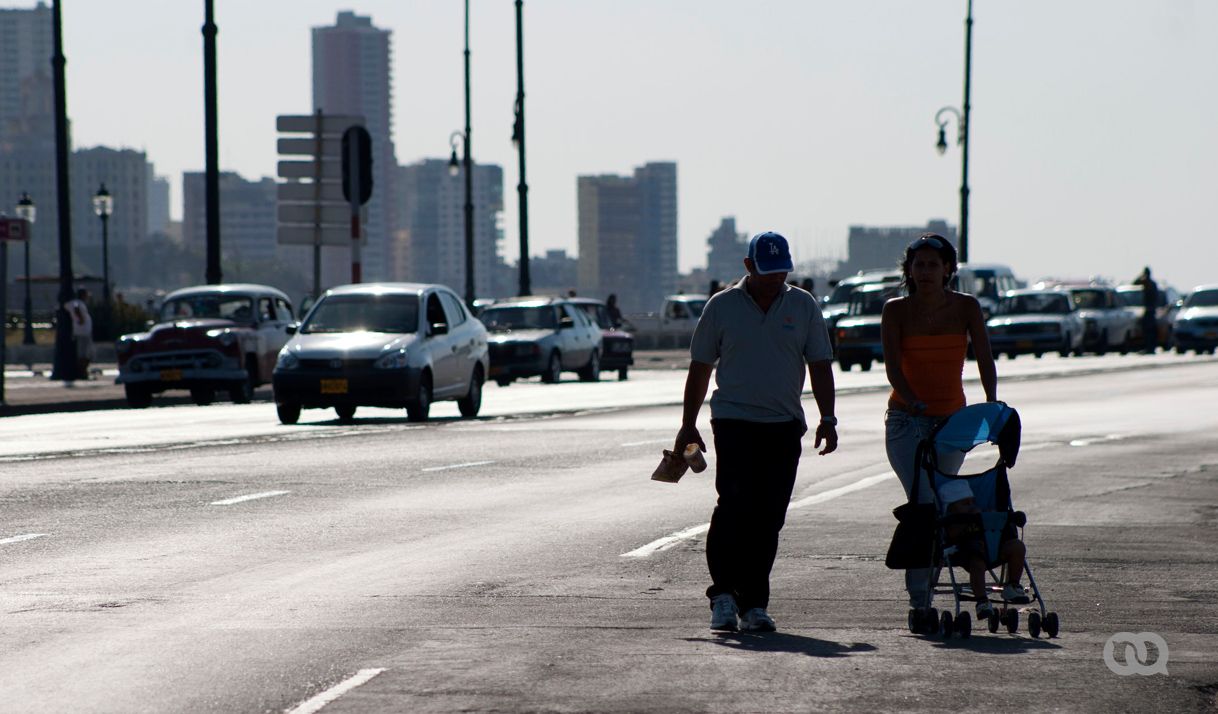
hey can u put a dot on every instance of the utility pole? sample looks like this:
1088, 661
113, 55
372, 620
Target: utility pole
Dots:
212, 141
522, 188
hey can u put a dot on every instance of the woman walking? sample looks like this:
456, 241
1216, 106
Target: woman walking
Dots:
926, 335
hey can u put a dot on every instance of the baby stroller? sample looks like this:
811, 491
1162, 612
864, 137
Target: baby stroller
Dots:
993, 423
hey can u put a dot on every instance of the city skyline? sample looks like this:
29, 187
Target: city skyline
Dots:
806, 119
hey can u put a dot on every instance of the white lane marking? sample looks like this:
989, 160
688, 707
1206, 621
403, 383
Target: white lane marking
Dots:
672, 539
649, 441
458, 466
316, 703
1096, 440
249, 497
23, 537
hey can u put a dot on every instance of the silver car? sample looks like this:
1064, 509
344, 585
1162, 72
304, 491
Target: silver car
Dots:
383, 345
531, 336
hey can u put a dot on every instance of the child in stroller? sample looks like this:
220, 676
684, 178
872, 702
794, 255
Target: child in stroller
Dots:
963, 531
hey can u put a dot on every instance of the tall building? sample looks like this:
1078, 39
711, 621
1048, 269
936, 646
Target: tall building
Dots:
430, 245
880, 247
26, 45
158, 201
628, 236
247, 218
125, 174
726, 249
351, 75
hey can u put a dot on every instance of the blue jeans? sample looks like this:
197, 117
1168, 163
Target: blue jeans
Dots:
902, 433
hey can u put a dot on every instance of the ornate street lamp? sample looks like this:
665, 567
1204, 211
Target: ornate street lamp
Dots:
522, 188
962, 122
27, 210
103, 206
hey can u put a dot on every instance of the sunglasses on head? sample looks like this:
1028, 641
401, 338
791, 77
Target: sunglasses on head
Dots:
929, 241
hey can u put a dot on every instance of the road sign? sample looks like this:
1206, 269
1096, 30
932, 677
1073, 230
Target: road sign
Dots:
18, 229
330, 170
329, 214
357, 165
301, 192
307, 123
305, 235
301, 146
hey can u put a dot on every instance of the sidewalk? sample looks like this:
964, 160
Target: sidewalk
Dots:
30, 391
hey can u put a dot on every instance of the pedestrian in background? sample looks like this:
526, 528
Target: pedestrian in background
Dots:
759, 336
1150, 306
82, 331
615, 313
925, 338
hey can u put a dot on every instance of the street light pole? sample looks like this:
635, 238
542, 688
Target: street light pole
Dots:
65, 349
27, 210
212, 144
962, 125
103, 206
470, 292
522, 188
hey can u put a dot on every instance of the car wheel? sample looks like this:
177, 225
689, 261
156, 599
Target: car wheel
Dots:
289, 412
553, 371
503, 382
242, 392
417, 409
622, 373
138, 397
345, 412
845, 366
865, 365
1101, 347
591, 371
202, 395
472, 401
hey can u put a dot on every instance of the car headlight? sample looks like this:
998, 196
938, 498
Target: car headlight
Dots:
287, 360
393, 360
224, 337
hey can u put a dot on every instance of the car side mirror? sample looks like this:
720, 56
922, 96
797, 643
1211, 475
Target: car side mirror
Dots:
292, 328
566, 322
439, 328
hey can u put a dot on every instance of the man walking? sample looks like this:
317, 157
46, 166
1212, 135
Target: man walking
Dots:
1150, 306
82, 331
762, 333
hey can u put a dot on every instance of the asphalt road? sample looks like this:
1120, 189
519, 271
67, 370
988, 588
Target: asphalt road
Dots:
209, 559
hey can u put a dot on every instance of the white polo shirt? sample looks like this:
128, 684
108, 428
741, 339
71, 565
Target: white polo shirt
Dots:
761, 357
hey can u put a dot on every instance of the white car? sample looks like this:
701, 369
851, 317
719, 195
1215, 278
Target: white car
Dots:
1036, 322
383, 345
1106, 322
1196, 325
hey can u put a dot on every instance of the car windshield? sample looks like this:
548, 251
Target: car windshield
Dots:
238, 308
598, 314
695, 307
1130, 298
870, 302
398, 314
533, 317
1202, 298
1035, 304
1089, 299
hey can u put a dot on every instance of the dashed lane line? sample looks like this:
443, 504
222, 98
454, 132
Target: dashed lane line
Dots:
22, 537
316, 703
458, 466
247, 497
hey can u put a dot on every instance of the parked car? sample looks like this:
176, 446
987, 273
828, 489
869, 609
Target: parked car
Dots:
1165, 313
1036, 322
836, 304
1196, 325
618, 345
858, 331
531, 336
1106, 323
987, 282
206, 339
388, 345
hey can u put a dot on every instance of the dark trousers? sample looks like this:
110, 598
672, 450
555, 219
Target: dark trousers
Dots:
755, 465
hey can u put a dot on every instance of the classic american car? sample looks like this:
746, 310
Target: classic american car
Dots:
206, 339
1036, 322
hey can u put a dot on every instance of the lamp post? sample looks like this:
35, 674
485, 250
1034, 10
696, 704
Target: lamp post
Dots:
467, 160
65, 347
522, 188
27, 210
962, 123
103, 206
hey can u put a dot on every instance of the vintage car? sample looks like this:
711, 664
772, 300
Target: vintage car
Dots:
1165, 313
617, 343
858, 331
531, 336
836, 304
388, 345
1196, 325
1106, 322
207, 339
1035, 322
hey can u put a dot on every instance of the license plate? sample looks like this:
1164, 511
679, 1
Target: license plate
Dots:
333, 386
171, 375
1024, 344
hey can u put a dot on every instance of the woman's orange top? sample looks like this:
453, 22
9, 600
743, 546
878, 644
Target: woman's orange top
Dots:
934, 367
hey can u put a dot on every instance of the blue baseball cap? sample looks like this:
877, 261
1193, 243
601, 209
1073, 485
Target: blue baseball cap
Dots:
770, 254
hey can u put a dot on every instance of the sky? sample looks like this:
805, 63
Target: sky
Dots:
1093, 148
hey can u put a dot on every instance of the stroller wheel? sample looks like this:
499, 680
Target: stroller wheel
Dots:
931, 621
913, 620
1050, 624
1012, 620
964, 625
992, 621
1034, 624
945, 624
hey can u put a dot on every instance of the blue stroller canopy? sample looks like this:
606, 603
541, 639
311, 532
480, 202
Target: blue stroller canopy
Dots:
976, 424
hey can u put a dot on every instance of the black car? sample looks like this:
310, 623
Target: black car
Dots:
618, 345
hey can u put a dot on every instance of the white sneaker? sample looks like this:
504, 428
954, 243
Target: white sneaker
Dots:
1014, 593
724, 613
757, 620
